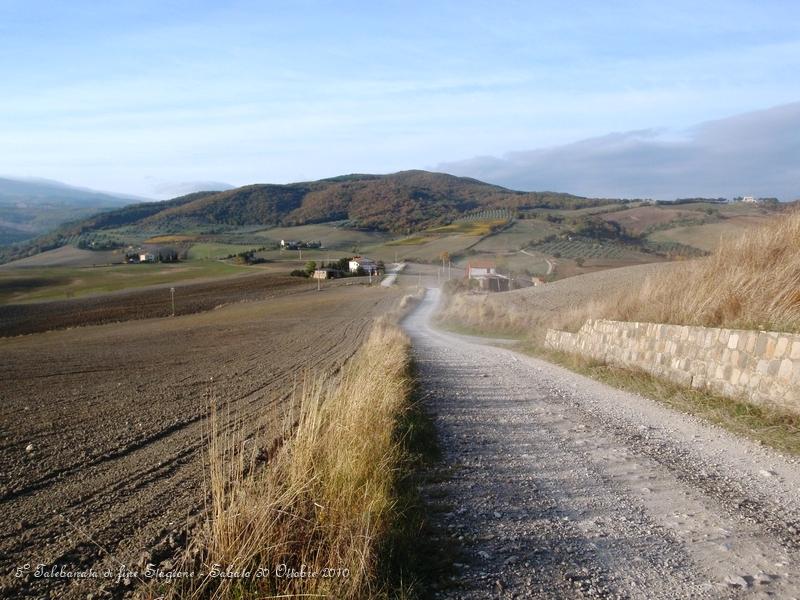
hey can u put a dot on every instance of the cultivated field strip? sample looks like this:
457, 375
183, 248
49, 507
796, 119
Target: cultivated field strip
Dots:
145, 303
117, 463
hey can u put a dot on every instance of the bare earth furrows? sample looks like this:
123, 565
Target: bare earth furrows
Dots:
122, 475
557, 486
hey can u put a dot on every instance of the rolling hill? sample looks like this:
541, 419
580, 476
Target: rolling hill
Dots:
415, 202
398, 203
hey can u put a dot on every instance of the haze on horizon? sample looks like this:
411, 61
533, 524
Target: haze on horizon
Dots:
646, 99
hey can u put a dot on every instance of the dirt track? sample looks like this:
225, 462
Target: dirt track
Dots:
115, 415
556, 486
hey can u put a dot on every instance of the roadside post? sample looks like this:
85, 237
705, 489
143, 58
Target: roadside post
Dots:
172, 294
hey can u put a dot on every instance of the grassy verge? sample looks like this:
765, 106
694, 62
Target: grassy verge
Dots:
414, 558
335, 511
771, 427
462, 328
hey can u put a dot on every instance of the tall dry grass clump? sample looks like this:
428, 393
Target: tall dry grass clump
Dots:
313, 519
486, 312
751, 281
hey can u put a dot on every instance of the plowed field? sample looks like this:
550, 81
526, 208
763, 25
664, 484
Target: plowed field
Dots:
101, 427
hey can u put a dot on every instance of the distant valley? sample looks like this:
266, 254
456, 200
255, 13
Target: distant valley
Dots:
413, 216
40, 216
31, 207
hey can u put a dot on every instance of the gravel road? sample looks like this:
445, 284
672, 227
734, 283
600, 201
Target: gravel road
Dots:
553, 485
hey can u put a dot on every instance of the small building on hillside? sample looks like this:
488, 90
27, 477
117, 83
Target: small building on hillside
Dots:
484, 272
477, 269
362, 262
750, 199
323, 274
147, 257
537, 280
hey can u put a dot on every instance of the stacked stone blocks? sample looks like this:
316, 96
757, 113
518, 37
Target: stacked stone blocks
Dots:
762, 367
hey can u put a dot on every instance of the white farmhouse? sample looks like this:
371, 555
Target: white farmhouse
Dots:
369, 265
478, 269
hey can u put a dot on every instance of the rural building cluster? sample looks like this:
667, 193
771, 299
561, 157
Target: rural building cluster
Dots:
150, 255
299, 244
348, 267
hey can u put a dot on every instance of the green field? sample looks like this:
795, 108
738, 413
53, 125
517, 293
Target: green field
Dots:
577, 212
521, 234
211, 251
414, 240
58, 283
707, 237
472, 227
584, 248
427, 251
332, 235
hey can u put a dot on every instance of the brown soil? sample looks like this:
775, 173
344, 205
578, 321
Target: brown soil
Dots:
16, 319
116, 416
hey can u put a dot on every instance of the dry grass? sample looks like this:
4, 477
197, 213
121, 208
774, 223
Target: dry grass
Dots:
751, 281
324, 503
482, 313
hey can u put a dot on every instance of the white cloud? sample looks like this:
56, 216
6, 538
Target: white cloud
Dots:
173, 189
756, 153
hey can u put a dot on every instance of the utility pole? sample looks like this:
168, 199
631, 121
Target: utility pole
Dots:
172, 293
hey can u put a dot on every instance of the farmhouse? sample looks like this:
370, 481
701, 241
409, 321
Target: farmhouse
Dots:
147, 257
362, 262
479, 269
485, 273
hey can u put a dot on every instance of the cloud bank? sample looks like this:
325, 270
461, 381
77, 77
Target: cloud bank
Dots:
173, 189
751, 154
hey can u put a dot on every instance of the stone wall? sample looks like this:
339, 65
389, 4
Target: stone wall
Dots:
760, 366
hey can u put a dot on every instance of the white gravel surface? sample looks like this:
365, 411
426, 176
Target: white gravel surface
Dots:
553, 485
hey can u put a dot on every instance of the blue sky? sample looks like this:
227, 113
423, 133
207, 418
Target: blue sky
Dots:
155, 98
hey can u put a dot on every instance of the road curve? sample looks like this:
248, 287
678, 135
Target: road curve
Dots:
553, 485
